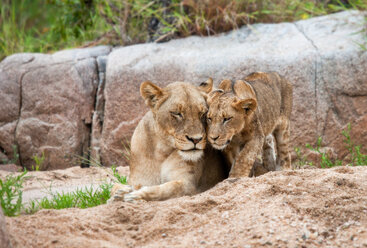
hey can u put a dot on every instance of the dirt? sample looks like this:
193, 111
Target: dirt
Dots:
302, 208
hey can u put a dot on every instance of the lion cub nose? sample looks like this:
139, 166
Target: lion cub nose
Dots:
194, 140
214, 138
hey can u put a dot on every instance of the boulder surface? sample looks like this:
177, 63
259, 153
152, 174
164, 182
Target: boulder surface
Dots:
319, 56
86, 102
49, 103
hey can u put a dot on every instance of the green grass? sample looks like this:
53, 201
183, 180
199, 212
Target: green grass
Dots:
49, 25
326, 161
46, 25
38, 162
11, 194
118, 177
354, 158
81, 198
131, 19
15, 157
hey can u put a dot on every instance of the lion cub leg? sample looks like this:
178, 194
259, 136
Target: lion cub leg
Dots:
269, 157
245, 160
268, 162
281, 134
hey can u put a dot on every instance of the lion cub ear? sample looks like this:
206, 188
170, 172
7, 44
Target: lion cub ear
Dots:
243, 90
206, 86
249, 105
151, 93
212, 95
225, 85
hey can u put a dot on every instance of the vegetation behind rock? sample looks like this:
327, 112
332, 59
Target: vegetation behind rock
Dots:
49, 25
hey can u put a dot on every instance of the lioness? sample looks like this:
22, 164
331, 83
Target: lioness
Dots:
242, 115
169, 157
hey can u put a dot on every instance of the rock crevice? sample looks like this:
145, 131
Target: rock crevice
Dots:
316, 68
20, 114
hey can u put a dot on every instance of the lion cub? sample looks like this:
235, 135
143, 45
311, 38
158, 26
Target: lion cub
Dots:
241, 116
169, 156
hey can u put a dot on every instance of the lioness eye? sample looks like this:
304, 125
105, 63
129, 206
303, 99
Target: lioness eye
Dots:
176, 114
227, 119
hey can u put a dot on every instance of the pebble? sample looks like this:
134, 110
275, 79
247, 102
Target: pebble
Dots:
164, 235
314, 235
225, 215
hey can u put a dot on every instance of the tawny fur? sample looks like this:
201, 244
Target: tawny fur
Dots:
163, 161
242, 115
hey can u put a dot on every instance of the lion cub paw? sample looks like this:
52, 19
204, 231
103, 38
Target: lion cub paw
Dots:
118, 191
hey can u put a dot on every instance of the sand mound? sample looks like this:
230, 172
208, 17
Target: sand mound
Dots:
307, 208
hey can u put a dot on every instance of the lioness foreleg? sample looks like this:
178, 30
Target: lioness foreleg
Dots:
118, 191
178, 178
157, 192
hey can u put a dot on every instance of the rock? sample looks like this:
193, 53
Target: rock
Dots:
4, 236
315, 157
319, 56
11, 167
86, 102
98, 114
340, 78
49, 105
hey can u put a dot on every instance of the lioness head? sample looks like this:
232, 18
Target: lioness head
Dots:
229, 111
179, 112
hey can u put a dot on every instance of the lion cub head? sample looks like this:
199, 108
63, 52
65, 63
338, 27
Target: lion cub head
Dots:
179, 113
229, 111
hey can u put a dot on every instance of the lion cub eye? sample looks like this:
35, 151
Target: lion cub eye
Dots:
225, 120
209, 120
177, 115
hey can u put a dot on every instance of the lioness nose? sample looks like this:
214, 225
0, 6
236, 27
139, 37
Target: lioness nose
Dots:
194, 140
214, 138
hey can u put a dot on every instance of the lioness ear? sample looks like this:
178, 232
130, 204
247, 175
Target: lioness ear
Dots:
225, 85
243, 90
249, 105
151, 93
206, 86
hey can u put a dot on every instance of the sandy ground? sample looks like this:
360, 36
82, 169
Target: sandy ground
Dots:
303, 208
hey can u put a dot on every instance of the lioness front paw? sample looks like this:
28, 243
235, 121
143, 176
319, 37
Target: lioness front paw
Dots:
121, 189
133, 196
118, 191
